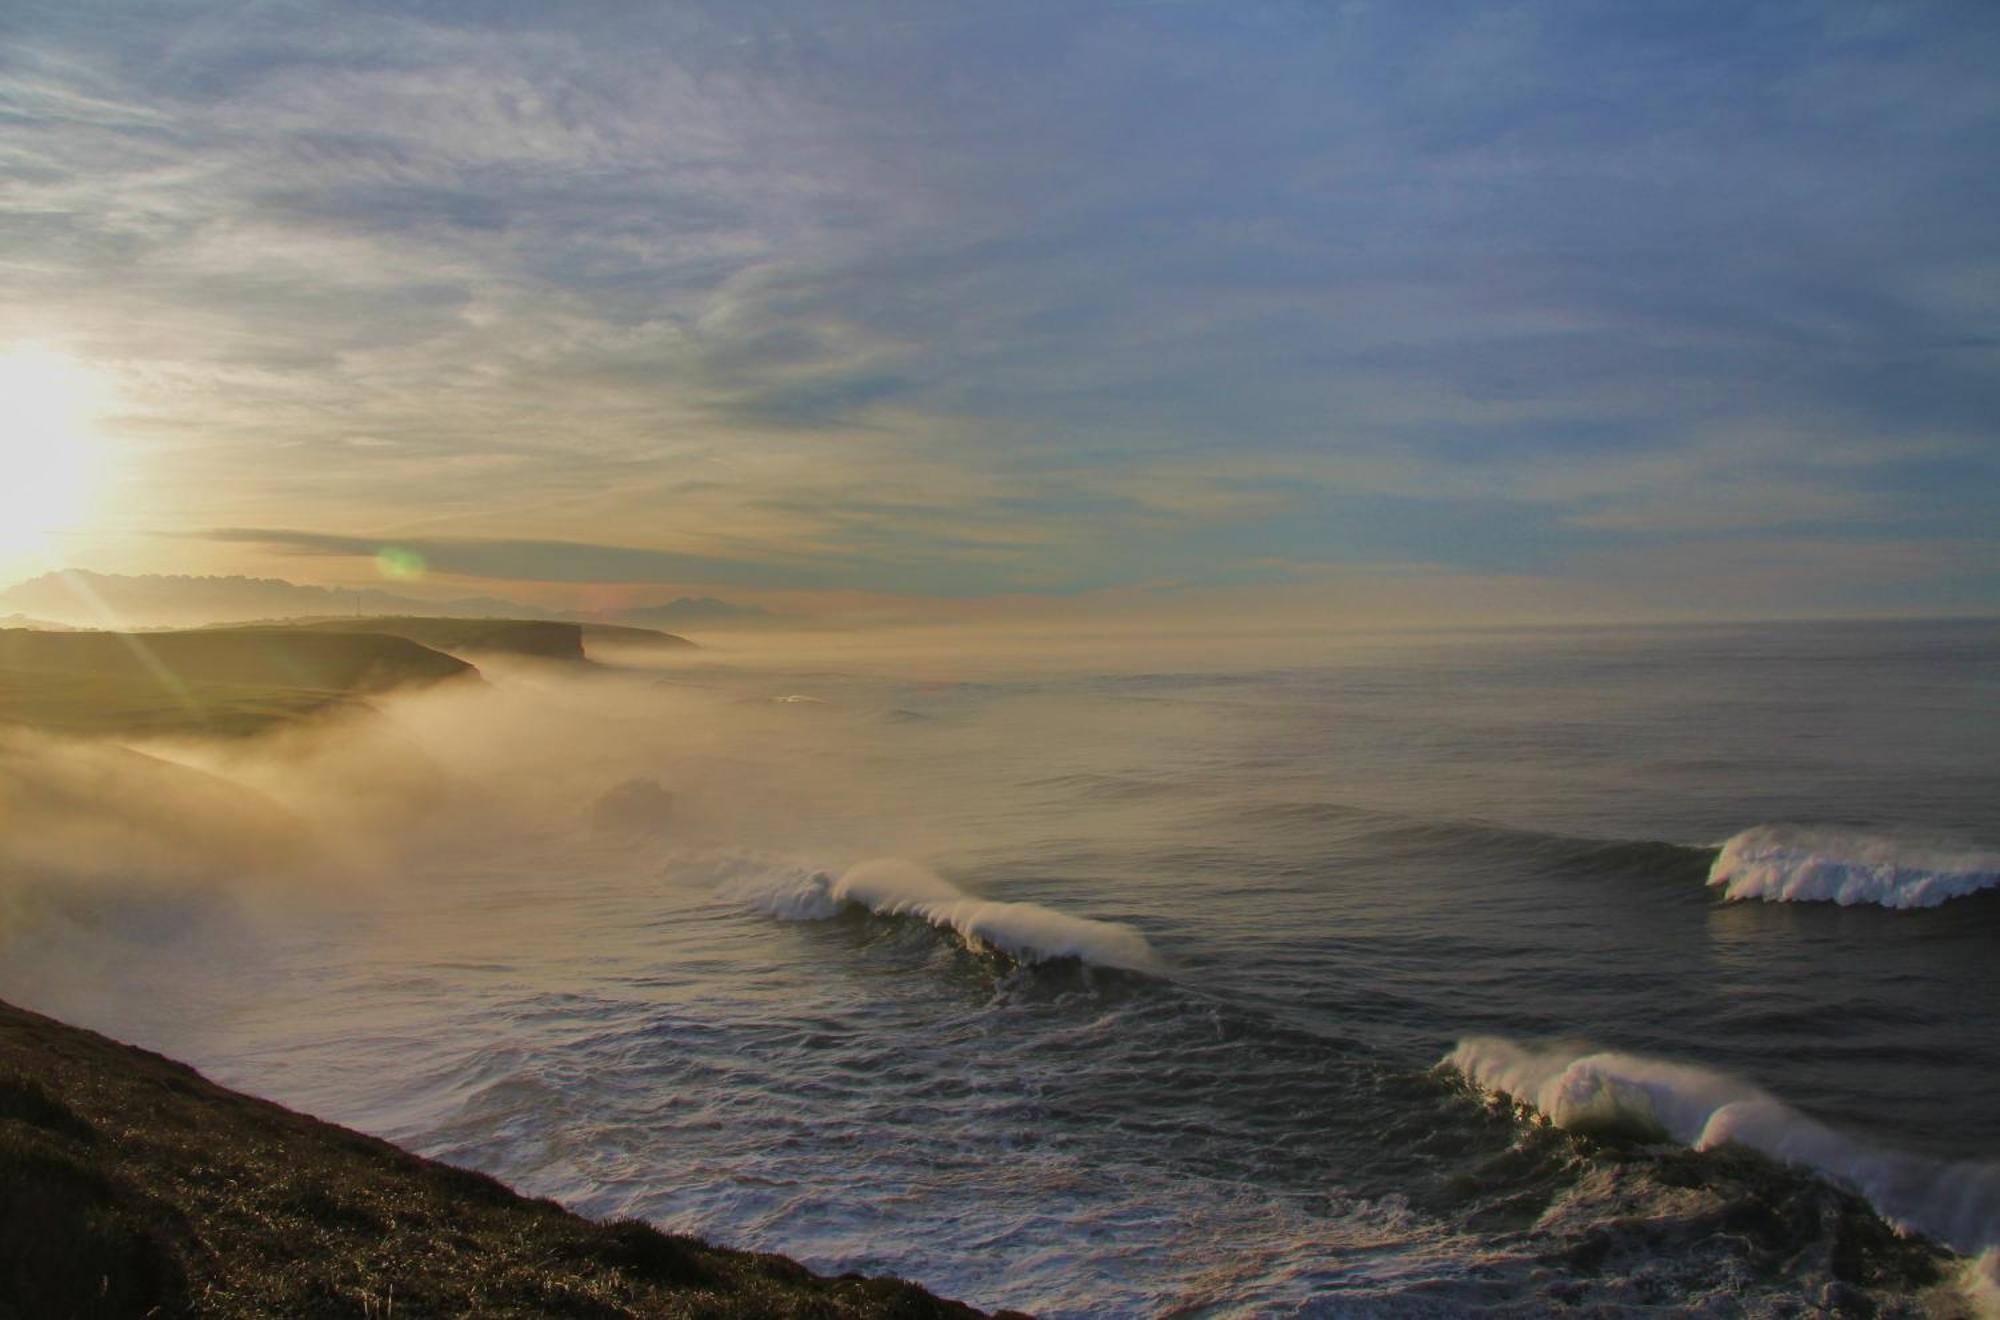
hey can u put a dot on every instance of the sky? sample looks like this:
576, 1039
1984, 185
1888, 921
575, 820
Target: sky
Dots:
1294, 313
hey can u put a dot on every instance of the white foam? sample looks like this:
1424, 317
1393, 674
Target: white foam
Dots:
785, 891
891, 887
1576, 1086
1790, 864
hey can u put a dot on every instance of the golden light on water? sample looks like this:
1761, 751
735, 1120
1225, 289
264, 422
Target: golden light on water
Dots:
51, 454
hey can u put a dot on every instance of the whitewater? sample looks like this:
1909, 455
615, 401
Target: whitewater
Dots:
1643, 971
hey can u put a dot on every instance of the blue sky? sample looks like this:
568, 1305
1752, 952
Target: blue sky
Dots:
1569, 309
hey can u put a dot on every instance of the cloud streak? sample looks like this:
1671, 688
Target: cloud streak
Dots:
536, 561
1027, 297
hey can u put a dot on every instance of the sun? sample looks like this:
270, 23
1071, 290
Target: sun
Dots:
51, 453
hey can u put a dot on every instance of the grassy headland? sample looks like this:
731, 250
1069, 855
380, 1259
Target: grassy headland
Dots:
637, 639
242, 678
539, 639
223, 681
131, 1185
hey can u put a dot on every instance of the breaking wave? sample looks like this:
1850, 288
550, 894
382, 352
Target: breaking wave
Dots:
1788, 864
1576, 1087
890, 887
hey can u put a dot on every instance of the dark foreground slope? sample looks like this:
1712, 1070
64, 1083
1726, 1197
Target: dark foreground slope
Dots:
129, 1185
223, 681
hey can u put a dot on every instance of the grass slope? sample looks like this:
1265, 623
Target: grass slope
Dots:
542, 639
651, 639
130, 1185
229, 681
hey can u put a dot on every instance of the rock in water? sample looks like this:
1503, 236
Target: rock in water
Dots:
637, 806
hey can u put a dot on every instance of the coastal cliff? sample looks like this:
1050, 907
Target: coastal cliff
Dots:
131, 1185
213, 683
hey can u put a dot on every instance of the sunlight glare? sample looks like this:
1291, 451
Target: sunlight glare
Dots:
50, 452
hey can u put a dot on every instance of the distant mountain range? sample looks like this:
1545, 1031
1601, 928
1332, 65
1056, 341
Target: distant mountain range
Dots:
152, 600
39, 625
691, 610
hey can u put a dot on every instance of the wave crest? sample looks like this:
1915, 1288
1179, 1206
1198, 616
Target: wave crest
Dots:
1581, 1088
1787, 864
891, 887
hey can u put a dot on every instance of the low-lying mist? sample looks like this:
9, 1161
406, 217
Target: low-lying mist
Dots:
540, 778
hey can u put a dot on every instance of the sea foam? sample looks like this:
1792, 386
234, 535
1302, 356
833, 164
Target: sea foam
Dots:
1790, 864
1579, 1087
891, 887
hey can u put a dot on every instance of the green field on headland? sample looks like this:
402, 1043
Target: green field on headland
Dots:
240, 679
232, 681
536, 638
544, 639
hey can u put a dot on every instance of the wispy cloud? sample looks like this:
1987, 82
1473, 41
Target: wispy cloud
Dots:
534, 561
1037, 296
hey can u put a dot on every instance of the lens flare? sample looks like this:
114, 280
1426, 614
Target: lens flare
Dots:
399, 562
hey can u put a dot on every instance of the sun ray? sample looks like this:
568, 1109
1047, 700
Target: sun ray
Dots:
108, 619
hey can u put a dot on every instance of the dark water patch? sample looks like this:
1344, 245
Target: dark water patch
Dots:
869, 943
1807, 1019
1285, 814
1104, 788
1475, 842
1398, 837
1171, 681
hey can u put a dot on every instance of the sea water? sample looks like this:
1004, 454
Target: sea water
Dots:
1503, 972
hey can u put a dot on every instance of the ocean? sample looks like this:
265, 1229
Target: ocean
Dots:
1504, 973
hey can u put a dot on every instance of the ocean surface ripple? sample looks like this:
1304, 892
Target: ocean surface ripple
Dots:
1404, 978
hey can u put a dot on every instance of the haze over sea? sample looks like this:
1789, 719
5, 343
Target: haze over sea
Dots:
1256, 742
1144, 979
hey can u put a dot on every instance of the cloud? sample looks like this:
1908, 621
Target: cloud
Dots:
1033, 296
1800, 576
537, 561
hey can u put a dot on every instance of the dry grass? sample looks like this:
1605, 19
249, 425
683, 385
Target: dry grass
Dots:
229, 682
